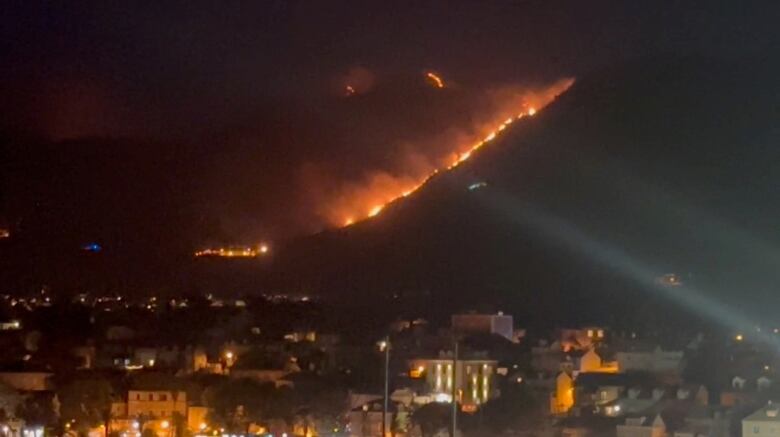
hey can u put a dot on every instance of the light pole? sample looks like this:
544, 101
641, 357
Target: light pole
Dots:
384, 346
454, 389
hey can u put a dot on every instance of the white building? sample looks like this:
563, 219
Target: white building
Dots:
655, 361
763, 423
474, 379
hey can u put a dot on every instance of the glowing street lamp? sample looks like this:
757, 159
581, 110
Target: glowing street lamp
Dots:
384, 346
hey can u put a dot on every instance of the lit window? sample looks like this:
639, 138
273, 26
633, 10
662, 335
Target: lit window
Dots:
590, 333
601, 333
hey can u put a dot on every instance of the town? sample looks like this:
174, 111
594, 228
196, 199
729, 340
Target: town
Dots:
280, 366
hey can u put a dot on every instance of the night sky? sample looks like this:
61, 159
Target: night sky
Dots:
159, 127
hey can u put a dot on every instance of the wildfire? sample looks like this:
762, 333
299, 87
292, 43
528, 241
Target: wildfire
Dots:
234, 251
539, 99
435, 79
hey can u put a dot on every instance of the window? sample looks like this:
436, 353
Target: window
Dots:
151, 396
162, 413
138, 396
590, 333
163, 397
755, 430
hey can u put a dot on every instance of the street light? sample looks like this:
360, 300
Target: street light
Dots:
384, 346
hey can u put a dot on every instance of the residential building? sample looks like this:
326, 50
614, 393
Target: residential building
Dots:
27, 380
652, 361
765, 422
474, 379
581, 338
157, 410
499, 324
562, 399
158, 404
591, 362
642, 427
366, 420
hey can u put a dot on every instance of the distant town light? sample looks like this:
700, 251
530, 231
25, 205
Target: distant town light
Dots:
738, 337
165, 424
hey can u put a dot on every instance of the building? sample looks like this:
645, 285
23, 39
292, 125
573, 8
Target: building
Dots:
763, 423
499, 324
27, 380
642, 427
591, 361
652, 361
581, 338
156, 410
160, 404
366, 420
562, 399
474, 379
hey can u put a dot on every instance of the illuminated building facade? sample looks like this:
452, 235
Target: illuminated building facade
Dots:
156, 410
474, 379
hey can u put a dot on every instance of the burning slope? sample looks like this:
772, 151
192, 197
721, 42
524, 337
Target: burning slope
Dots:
381, 189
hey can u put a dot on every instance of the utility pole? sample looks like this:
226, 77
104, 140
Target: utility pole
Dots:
386, 398
454, 390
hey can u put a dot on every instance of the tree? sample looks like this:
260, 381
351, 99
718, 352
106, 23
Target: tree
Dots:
319, 402
517, 409
236, 403
87, 401
432, 418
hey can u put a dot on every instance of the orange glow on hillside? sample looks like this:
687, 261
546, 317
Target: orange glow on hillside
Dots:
234, 251
382, 189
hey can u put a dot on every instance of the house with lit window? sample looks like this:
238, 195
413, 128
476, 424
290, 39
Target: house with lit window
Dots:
581, 338
474, 379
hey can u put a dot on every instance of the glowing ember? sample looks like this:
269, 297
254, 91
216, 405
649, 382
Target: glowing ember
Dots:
375, 210
435, 79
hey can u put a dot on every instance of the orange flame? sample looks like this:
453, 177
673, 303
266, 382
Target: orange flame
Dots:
384, 189
435, 79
